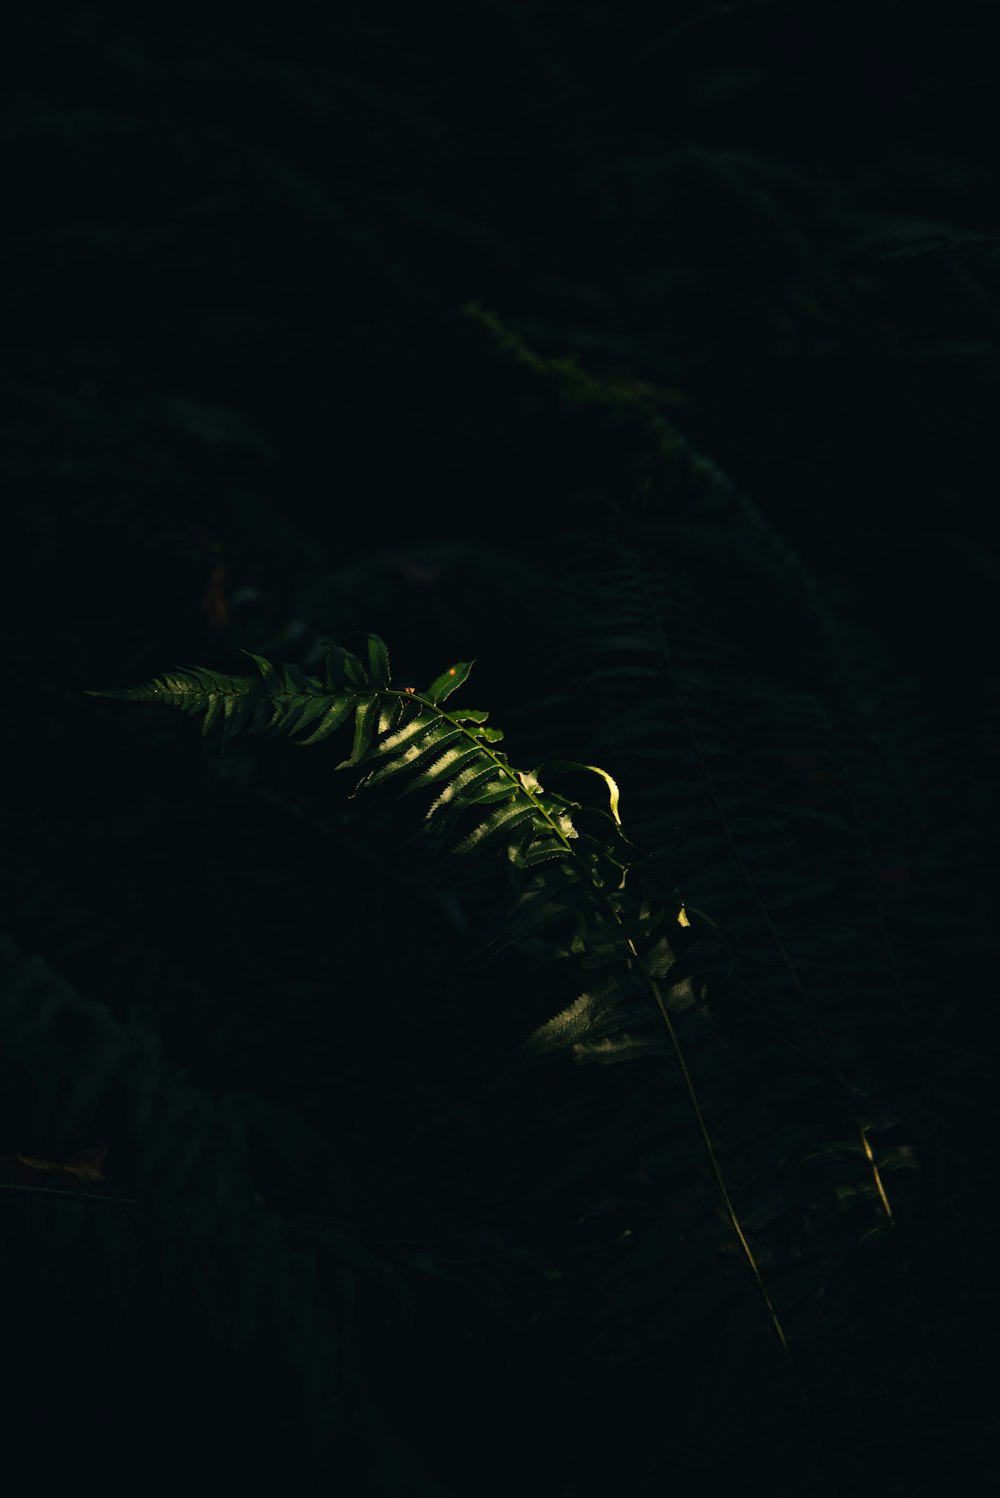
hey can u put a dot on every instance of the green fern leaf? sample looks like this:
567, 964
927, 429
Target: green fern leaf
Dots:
449, 681
378, 663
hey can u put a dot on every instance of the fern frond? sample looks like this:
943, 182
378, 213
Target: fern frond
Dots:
491, 806
412, 739
782, 1200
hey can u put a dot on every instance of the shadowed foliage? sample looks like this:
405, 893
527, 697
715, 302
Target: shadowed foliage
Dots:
603, 1105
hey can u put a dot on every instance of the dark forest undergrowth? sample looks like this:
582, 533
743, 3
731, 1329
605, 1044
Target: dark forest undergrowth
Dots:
650, 361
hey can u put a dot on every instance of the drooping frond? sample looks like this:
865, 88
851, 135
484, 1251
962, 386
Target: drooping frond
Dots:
769, 1125
417, 741
569, 881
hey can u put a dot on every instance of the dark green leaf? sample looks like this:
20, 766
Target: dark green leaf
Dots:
364, 728
378, 663
449, 681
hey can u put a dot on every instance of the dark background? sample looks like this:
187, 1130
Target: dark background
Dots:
243, 408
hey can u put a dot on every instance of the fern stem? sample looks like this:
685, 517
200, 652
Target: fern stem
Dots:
713, 1161
739, 1232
